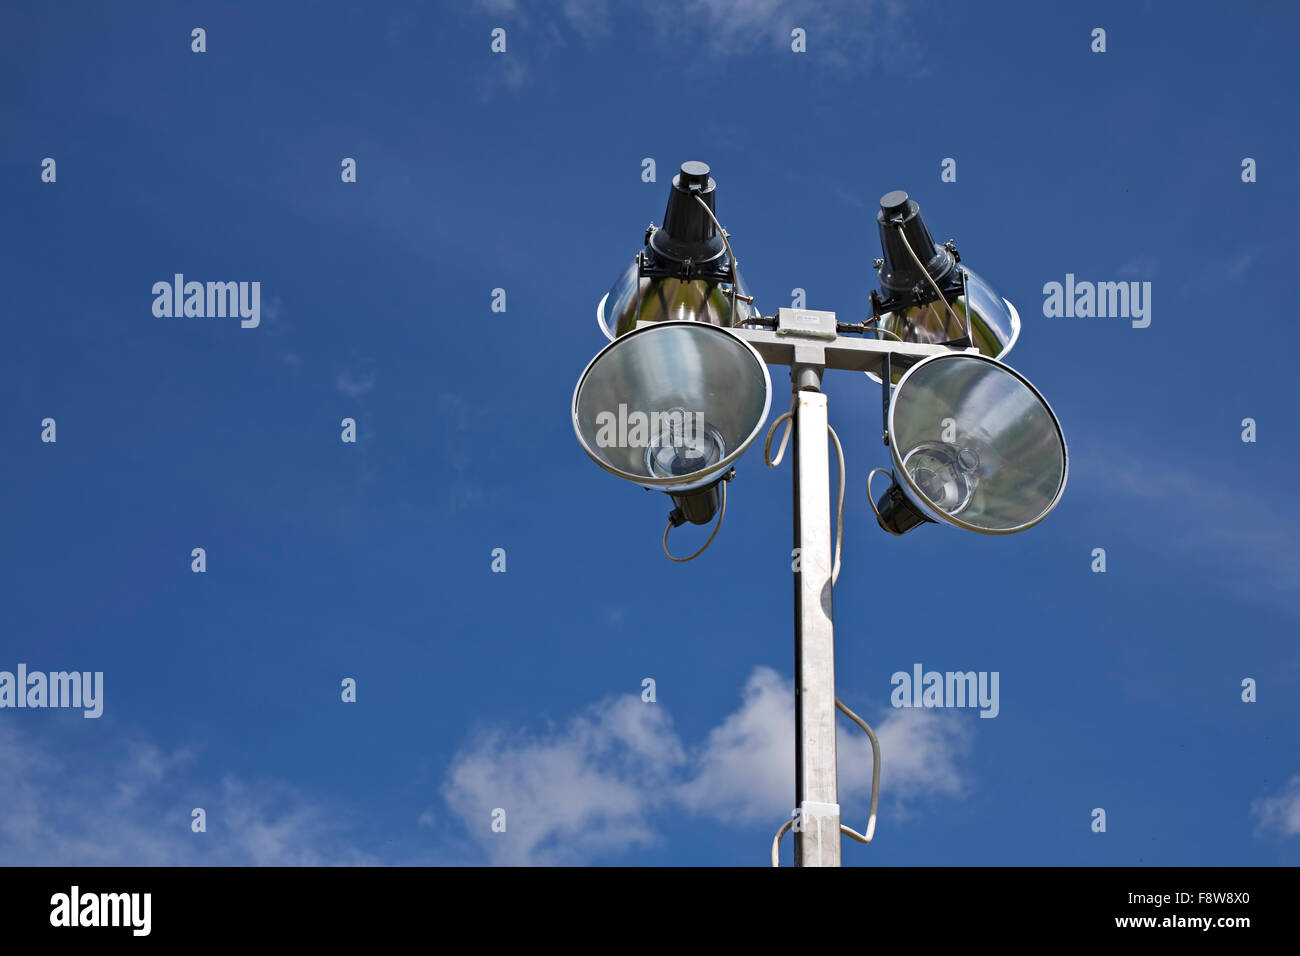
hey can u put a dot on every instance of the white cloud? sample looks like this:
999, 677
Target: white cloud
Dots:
582, 790
924, 749
593, 787
130, 806
590, 788
1280, 814
745, 770
745, 773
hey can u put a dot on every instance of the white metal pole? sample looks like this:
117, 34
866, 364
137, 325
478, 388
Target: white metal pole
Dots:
817, 828
807, 342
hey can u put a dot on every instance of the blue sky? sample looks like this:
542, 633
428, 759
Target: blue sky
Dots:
521, 690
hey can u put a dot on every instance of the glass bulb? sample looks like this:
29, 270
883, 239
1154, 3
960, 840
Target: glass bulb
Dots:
682, 444
946, 474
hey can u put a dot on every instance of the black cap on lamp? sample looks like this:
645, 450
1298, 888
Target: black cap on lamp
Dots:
902, 283
688, 233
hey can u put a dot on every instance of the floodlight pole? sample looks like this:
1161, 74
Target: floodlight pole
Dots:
817, 827
808, 342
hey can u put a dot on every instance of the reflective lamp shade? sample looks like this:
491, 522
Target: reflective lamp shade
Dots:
974, 445
684, 272
668, 299
908, 304
994, 322
671, 406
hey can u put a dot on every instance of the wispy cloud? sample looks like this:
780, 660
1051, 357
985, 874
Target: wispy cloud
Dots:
1237, 267
595, 785
514, 73
1248, 541
353, 385
465, 492
588, 18
1139, 267
272, 311
131, 806
842, 35
1280, 814
499, 7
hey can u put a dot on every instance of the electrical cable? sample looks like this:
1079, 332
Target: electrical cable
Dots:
875, 774
722, 513
726, 241
785, 437
788, 418
867, 327
915, 258
776, 842
839, 455
839, 507
835, 573
871, 498
735, 291
863, 838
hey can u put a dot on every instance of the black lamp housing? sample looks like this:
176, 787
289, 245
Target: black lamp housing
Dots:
902, 284
687, 245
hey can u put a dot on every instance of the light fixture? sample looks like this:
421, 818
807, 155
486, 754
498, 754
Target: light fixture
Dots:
926, 296
685, 271
682, 389
671, 406
974, 444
